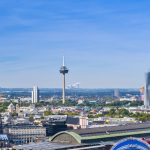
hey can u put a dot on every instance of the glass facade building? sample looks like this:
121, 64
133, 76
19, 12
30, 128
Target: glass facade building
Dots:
147, 91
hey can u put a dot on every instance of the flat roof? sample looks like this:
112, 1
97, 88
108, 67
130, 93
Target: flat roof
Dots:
48, 146
102, 133
39, 146
111, 129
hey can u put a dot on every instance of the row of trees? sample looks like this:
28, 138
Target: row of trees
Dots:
120, 113
3, 106
125, 103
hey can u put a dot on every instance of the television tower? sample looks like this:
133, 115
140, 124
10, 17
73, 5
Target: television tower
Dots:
63, 70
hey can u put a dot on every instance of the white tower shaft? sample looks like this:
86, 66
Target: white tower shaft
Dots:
63, 96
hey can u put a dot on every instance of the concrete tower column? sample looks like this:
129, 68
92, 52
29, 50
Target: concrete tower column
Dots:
64, 85
63, 70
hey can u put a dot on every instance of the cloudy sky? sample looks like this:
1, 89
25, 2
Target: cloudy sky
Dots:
106, 43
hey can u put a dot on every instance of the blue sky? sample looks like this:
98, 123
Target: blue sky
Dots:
106, 43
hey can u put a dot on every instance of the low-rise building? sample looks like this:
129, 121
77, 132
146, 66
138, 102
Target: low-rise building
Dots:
11, 108
77, 122
23, 133
81, 101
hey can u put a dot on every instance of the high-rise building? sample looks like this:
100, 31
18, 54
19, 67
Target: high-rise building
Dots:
142, 93
83, 121
63, 70
35, 95
147, 91
116, 93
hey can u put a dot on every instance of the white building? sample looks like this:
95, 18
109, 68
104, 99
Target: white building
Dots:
83, 121
80, 101
35, 95
131, 99
11, 108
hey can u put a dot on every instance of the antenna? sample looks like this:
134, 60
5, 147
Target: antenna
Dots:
63, 61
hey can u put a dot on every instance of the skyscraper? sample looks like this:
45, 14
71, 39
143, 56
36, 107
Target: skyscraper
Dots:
35, 95
63, 70
147, 91
116, 93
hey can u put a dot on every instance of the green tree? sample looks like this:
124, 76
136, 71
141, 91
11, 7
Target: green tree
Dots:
47, 113
31, 119
14, 114
123, 112
112, 112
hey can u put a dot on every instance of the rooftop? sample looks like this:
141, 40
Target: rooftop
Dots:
112, 129
55, 146
23, 126
109, 133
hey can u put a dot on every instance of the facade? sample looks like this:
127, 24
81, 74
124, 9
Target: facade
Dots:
53, 128
17, 109
142, 93
77, 122
4, 142
35, 95
11, 108
21, 134
55, 124
83, 121
147, 91
116, 93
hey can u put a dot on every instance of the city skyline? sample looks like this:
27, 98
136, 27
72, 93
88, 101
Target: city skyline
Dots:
106, 43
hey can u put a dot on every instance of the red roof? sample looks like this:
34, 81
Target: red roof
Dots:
146, 140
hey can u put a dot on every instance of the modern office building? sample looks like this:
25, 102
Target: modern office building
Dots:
63, 70
55, 124
147, 92
54, 127
35, 95
116, 93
